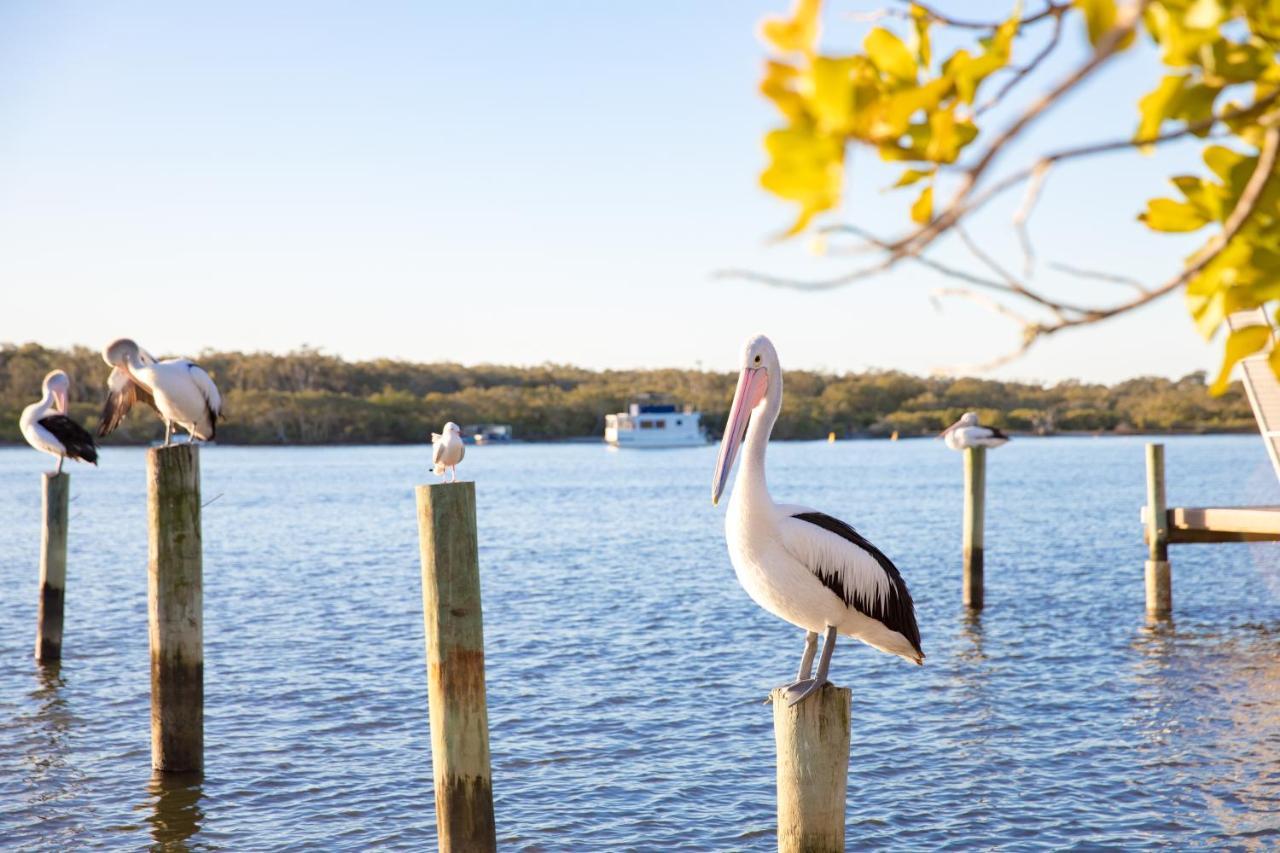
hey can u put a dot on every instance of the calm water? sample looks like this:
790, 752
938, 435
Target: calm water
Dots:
626, 667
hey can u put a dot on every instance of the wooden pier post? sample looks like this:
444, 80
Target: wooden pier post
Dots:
55, 489
175, 601
975, 488
1159, 581
813, 769
455, 666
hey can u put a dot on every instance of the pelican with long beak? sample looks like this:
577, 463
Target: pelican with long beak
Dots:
967, 432
47, 427
801, 565
177, 388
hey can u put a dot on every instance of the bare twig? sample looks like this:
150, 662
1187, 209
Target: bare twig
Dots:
993, 305
1027, 70
1099, 275
1052, 10
1023, 213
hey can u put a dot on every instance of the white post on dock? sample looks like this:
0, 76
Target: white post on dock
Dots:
455, 667
55, 489
1159, 581
813, 769
975, 490
175, 603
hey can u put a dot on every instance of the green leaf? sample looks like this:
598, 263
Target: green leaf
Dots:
1165, 214
890, 55
1240, 344
922, 210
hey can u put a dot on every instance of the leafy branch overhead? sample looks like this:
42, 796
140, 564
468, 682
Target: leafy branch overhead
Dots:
929, 112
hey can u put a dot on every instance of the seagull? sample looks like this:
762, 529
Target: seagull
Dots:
46, 426
447, 450
802, 565
177, 388
966, 433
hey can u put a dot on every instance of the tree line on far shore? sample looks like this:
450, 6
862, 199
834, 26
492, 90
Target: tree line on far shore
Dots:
309, 397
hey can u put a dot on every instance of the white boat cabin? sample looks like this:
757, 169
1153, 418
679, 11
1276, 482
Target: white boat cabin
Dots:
648, 424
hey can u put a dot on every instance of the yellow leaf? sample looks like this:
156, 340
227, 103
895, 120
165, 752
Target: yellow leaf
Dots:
779, 86
1204, 14
1165, 214
1240, 344
797, 34
832, 99
1274, 361
890, 55
922, 210
920, 36
1099, 16
910, 176
1155, 107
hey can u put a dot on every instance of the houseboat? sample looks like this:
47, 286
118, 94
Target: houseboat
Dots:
655, 423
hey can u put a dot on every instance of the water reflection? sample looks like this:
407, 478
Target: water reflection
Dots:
176, 813
51, 719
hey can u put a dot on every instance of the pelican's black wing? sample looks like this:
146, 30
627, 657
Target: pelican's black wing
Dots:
75, 439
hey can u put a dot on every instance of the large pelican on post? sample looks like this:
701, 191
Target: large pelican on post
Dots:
177, 388
47, 427
967, 432
801, 565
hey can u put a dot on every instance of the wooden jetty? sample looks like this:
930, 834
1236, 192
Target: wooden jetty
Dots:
1164, 525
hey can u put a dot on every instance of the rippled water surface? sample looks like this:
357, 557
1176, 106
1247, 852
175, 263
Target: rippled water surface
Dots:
626, 667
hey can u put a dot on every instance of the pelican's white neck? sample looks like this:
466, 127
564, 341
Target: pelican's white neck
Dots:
751, 483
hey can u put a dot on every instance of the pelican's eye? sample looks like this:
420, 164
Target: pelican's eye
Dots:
757, 359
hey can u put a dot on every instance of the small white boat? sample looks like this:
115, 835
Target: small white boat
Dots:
655, 424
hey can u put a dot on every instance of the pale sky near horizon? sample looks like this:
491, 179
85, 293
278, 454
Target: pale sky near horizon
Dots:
500, 182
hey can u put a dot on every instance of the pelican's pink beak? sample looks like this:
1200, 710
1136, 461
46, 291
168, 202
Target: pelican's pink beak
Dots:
752, 385
943, 434
60, 401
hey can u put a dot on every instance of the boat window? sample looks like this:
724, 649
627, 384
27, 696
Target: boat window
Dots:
646, 425
659, 424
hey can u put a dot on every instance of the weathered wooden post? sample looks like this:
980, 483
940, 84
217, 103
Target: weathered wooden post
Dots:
1158, 576
175, 600
455, 666
975, 487
813, 768
53, 566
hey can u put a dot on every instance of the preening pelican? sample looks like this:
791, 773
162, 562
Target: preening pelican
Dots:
801, 565
177, 388
447, 450
46, 426
966, 432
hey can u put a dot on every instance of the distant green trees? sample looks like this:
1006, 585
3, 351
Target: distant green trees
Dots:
309, 397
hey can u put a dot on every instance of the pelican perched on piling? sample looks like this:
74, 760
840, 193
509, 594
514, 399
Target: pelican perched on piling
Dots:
177, 388
967, 432
47, 427
447, 450
801, 565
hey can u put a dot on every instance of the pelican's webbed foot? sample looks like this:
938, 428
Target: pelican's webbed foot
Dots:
798, 691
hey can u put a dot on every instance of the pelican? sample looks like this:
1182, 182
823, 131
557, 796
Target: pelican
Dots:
447, 450
46, 426
177, 388
801, 565
966, 433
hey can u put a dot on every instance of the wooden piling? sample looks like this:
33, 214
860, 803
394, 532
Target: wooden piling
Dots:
1159, 581
813, 768
175, 600
455, 666
55, 489
975, 487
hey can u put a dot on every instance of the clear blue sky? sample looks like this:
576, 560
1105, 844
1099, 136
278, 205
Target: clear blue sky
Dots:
501, 182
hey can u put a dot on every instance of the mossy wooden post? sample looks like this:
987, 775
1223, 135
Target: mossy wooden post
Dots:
975, 488
53, 566
455, 666
1158, 576
175, 600
813, 768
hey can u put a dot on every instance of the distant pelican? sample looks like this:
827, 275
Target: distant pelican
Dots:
177, 388
46, 426
447, 450
801, 565
966, 433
